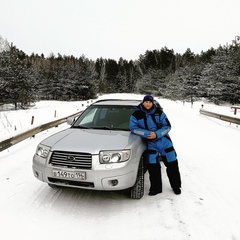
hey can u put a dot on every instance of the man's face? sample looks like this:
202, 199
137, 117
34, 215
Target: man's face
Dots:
147, 104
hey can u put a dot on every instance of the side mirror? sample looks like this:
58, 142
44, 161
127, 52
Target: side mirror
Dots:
70, 120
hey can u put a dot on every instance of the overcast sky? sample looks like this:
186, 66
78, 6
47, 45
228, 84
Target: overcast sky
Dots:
118, 28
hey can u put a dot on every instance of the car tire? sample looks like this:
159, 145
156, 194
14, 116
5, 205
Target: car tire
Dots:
137, 191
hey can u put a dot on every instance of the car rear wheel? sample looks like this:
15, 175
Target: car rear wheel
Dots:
137, 191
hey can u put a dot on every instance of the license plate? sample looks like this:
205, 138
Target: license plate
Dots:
69, 175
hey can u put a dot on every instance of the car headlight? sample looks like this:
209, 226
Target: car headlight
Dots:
114, 156
42, 151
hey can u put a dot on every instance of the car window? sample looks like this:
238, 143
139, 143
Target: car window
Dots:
106, 117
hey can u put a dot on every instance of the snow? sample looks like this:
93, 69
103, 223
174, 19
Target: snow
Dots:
208, 208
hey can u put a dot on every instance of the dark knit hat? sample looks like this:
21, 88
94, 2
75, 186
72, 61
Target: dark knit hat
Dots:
148, 98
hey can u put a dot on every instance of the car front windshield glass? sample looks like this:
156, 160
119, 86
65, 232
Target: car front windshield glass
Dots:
105, 117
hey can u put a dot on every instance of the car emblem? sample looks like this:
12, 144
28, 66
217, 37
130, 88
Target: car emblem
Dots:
70, 158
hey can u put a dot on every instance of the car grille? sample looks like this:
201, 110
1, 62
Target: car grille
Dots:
71, 160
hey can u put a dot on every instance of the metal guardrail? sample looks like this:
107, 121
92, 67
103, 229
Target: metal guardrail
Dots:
20, 137
221, 117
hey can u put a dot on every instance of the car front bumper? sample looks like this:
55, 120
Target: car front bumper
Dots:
115, 176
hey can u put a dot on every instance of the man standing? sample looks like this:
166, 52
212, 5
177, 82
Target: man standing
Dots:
152, 124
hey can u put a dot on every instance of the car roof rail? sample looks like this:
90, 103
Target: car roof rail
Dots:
104, 100
156, 103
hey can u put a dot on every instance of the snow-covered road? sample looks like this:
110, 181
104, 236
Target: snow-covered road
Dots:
208, 208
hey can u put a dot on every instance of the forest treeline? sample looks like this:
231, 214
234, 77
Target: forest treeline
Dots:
213, 74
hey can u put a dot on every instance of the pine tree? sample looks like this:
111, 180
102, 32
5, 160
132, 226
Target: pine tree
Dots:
15, 74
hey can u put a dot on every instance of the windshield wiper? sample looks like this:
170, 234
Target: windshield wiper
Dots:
81, 127
103, 127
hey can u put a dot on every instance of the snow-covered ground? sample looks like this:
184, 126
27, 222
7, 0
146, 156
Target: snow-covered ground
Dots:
208, 208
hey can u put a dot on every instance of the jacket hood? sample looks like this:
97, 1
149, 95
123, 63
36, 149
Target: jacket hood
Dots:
152, 110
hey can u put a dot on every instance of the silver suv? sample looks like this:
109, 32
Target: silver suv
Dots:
97, 152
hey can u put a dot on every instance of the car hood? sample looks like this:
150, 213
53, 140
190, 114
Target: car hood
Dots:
90, 140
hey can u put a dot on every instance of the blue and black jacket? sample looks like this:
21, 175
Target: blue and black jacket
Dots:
142, 122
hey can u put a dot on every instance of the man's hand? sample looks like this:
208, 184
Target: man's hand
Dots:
152, 135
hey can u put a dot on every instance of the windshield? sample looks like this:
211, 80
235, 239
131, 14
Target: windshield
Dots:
105, 117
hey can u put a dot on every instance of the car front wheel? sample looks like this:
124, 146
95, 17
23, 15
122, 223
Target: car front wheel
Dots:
137, 191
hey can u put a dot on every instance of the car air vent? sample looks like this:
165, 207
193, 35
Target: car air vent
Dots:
74, 160
71, 183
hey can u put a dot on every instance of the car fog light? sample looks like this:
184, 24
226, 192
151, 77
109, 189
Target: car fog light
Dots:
114, 182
